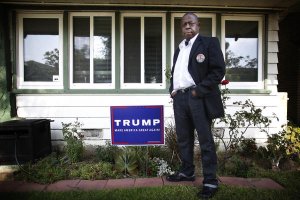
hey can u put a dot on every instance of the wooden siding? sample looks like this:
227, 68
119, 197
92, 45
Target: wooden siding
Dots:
94, 110
272, 52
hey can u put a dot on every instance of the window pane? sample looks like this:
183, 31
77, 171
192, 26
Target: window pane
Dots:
153, 50
241, 51
205, 29
81, 49
41, 44
102, 49
132, 50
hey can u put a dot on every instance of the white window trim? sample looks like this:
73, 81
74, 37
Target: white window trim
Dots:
144, 85
92, 85
21, 84
180, 15
247, 85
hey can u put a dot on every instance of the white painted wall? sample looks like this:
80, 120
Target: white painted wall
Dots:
94, 111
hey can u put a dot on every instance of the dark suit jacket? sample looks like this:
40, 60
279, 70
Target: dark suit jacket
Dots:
207, 74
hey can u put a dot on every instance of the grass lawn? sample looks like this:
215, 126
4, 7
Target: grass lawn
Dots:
290, 180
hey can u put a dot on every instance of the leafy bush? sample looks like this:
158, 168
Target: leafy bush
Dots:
126, 161
92, 171
238, 166
171, 143
292, 139
107, 152
133, 160
247, 147
282, 146
159, 167
73, 136
238, 124
46, 170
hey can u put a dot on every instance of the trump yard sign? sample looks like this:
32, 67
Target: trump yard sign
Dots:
137, 125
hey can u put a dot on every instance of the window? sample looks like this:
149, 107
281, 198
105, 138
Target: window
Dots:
40, 51
143, 51
207, 27
242, 44
92, 50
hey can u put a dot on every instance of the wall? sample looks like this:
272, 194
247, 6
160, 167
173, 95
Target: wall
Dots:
94, 111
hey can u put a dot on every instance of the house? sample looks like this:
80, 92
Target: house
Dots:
65, 60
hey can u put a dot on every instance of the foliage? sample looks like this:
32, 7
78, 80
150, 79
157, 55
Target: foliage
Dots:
93, 171
107, 152
161, 151
238, 124
133, 160
159, 167
54, 168
142, 157
126, 161
247, 147
239, 68
73, 136
171, 142
52, 58
284, 145
168, 73
237, 167
46, 170
4, 98
237, 61
291, 136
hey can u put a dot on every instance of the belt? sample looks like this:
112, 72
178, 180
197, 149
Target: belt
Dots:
184, 90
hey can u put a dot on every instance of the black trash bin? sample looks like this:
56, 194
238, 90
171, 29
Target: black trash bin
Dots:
24, 140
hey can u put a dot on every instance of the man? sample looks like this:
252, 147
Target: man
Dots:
198, 68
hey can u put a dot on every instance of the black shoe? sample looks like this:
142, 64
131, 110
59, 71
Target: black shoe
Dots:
180, 177
207, 192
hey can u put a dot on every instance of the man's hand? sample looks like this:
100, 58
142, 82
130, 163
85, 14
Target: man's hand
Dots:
173, 94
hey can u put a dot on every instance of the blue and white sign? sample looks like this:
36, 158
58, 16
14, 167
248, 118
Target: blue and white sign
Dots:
137, 125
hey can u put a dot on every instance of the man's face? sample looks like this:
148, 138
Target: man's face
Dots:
189, 26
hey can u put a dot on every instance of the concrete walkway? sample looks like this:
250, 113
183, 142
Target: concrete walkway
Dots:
85, 185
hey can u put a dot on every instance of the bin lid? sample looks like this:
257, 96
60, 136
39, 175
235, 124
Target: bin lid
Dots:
21, 122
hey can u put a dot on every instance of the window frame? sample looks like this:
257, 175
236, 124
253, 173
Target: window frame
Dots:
143, 85
259, 84
92, 85
21, 83
180, 15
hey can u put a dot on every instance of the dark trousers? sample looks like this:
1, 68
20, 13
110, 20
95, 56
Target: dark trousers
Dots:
190, 115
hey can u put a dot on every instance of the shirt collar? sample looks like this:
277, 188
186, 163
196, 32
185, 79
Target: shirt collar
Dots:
191, 42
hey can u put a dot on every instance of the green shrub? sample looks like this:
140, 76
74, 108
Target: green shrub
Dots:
46, 170
74, 149
93, 171
238, 166
282, 146
107, 152
73, 136
171, 143
159, 167
247, 147
237, 125
126, 161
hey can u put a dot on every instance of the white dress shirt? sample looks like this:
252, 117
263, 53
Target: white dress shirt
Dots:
182, 78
